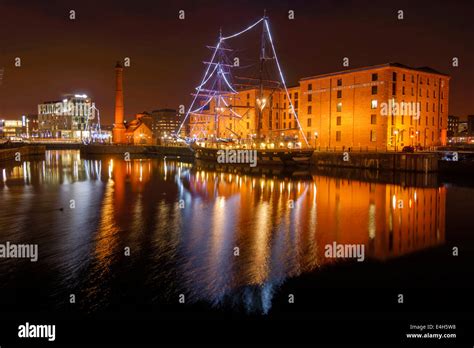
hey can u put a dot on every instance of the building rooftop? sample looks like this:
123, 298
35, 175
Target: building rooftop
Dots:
425, 69
164, 110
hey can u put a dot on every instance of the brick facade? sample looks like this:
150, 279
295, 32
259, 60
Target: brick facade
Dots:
383, 107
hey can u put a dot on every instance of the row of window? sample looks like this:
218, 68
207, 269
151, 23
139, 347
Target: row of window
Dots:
374, 91
399, 137
375, 77
373, 120
373, 105
393, 120
270, 125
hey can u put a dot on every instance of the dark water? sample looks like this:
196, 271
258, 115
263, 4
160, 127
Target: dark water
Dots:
182, 223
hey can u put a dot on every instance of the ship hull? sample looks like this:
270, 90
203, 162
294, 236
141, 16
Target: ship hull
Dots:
285, 157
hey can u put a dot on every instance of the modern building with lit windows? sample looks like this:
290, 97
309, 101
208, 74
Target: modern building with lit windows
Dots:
11, 128
66, 118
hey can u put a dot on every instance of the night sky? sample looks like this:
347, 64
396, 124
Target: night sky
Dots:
61, 56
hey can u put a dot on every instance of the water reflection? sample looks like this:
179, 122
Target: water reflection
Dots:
225, 238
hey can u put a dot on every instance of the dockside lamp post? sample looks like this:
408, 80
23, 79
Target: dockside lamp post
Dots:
395, 133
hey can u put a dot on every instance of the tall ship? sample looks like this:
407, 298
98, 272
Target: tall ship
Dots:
243, 104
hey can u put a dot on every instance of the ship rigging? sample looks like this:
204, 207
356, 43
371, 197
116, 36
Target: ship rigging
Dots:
219, 112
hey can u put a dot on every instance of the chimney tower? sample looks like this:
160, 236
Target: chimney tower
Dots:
118, 133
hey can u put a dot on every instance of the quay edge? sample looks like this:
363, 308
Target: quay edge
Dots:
394, 161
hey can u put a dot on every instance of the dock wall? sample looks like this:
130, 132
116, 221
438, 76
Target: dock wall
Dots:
411, 162
24, 151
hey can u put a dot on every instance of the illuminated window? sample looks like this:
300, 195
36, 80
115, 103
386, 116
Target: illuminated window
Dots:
373, 104
339, 107
373, 135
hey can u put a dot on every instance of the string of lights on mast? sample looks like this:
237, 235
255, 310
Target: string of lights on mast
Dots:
216, 83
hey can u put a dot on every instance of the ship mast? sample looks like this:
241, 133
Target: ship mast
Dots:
262, 63
217, 91
219, 88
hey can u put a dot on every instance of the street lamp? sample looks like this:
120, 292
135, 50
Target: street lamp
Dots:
315, 138
395, 133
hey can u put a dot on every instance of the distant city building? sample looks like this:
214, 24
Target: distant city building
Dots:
462, 127
30, 125
66, 118
470, 124
453, 125
462, 134
165, 123
11, 128
106, 131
